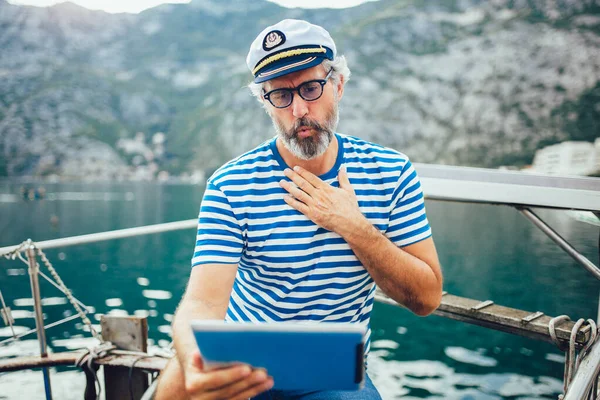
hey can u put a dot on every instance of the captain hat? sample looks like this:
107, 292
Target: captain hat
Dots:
288, 46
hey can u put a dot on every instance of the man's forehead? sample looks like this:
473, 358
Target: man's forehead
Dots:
296, 78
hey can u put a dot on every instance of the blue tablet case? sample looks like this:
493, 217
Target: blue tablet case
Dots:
297, 360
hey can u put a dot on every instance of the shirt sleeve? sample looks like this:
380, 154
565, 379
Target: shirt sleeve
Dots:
408, 222
219, 239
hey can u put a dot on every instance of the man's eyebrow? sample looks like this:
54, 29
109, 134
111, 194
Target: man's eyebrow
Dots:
294, 87
284, 87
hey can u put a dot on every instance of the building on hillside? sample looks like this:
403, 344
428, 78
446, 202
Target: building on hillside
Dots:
568, 158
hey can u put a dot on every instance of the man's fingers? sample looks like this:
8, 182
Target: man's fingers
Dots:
309, 177
298, 205
302, 183
255, 390
257, 378
294, 191
212, 380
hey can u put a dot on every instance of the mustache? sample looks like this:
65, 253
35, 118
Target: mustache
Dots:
308, 123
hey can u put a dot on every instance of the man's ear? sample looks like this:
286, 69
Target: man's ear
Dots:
340, 87
264, 102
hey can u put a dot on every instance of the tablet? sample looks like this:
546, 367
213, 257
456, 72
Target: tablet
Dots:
299, 356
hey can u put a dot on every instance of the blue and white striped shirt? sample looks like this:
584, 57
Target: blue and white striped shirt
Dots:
289, 268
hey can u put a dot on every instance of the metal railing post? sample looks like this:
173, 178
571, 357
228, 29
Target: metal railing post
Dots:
562, 243
39, 317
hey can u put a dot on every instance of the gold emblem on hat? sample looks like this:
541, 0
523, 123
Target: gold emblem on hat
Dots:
272, 40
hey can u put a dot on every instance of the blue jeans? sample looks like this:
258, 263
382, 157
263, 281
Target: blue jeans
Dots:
368, 392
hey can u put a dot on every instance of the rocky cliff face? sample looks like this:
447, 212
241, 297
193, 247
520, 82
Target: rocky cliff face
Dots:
465, 82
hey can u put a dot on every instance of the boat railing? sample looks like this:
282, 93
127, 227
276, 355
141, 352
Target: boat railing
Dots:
522, 191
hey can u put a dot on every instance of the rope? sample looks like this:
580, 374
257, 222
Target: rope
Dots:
572, 365
17, 253
130, 379
50, 281
12, 255
86, 361
552, 330
586, 348
572, 358
68, 293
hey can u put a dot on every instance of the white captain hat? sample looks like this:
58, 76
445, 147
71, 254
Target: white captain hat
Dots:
288, 46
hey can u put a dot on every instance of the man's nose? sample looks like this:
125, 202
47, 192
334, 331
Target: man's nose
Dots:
299, 107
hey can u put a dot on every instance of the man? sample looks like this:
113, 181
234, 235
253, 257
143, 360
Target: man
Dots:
304, 226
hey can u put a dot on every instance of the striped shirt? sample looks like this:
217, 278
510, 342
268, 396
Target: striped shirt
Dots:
289, 268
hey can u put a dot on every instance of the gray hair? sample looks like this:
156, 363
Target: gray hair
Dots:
338, 64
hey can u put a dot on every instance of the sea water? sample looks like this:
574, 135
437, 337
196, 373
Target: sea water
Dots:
487, 252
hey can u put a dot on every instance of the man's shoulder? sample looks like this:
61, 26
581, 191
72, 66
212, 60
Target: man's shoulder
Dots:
261, 155
367, 149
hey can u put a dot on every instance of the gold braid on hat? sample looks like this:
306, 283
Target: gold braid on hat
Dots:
285, 54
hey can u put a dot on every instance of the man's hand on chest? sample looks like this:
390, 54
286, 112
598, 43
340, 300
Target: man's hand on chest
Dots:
335, 209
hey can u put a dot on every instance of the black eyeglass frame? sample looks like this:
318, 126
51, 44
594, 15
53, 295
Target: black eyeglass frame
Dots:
322, 82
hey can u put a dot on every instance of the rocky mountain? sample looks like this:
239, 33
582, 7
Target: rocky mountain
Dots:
85, 94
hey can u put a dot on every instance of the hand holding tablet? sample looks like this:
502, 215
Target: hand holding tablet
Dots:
299, 356
238, 382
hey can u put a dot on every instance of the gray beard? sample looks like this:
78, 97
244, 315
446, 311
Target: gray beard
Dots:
312, 146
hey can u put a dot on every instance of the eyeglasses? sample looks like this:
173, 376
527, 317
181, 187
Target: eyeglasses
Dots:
309, 91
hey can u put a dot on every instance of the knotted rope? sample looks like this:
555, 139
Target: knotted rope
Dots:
572, 358
86, 362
